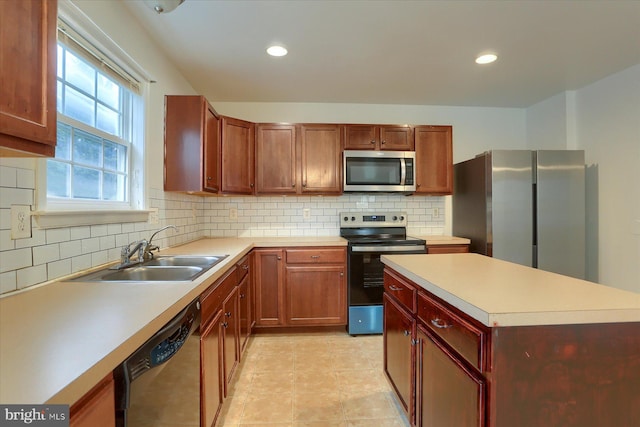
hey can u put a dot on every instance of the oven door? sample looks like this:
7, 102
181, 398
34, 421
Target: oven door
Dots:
365, 270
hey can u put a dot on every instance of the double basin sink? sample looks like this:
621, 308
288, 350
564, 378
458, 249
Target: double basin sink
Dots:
176, 268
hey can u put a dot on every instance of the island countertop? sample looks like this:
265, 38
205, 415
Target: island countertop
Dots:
499, 293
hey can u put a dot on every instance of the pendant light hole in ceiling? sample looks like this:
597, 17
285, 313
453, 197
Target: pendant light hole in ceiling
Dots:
486, 58
163, 6
277, 50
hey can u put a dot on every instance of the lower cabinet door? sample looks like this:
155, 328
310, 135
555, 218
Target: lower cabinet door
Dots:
449, 393
316, 296
244, 307
96, 408
399, 354
231, 332
211, 379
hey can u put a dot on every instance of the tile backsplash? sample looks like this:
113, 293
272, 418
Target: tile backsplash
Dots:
53, 253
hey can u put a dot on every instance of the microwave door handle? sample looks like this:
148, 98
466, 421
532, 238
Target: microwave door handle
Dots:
403, 171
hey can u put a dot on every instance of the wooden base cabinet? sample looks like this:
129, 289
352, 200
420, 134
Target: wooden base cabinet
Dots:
301, 286
231, 337
211, 390
96, 408
398, 337
448, 392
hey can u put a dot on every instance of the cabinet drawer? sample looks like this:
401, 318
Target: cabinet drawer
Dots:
401, 290
316, 256
447, 249
242, 268
212, 299
460, 334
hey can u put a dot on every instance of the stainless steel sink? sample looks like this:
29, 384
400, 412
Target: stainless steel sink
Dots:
160, 269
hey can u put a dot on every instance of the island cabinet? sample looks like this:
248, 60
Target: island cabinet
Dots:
301, 286
219, 344
238, 168
191, 145
448, 249
434, 160
298, 159
28, 76
96, 408
379, 137
449, 369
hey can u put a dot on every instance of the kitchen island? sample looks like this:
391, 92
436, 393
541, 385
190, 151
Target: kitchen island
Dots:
475, 341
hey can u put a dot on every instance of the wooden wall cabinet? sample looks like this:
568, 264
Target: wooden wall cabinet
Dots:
300, 286
379, 137
320, 158
238, 149
96, 408
191, 145
28, 53
434, 160
298, 159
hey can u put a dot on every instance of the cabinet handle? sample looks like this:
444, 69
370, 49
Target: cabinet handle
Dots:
251, 185
394, 288
241, 296
279, 258
225, 324
293, 185
418, 185
315, 256
414, 342
245, 267
228, 314
384, 142
208, 178
440, 324
341, 274
373, 141
406, 333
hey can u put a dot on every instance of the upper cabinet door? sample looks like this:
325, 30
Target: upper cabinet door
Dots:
276, 159
379, 137
28, 77
434, 160
321, 150
397, 138
361, 137
211, 150
238, 139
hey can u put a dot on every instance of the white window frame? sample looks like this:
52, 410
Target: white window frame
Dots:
53, 213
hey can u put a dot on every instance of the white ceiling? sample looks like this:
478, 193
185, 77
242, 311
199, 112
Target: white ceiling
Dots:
396, 52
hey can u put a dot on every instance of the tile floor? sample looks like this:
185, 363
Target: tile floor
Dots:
326, 379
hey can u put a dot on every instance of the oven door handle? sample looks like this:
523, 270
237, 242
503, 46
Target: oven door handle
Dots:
388, 249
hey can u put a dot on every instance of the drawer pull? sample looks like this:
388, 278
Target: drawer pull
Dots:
245, 267
406, 333
440, 324
315, 256
228, 314
395, 288
225, 324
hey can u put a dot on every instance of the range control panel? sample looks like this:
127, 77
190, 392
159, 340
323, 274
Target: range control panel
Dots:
371, 219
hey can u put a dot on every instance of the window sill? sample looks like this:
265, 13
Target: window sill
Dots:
60, 219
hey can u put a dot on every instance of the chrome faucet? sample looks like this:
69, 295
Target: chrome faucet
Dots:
147, 253
143, 248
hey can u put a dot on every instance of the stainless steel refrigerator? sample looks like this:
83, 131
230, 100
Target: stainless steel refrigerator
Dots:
523, 206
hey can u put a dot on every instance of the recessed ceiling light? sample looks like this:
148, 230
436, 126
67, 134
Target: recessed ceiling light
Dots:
486, 58
276, 50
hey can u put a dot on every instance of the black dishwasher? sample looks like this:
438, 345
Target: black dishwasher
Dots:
159, 384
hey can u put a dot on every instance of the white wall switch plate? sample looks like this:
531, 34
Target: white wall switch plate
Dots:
233, 213
20, 221
154, 216
436, 212
306, 213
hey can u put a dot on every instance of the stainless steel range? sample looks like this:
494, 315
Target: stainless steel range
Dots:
371, 235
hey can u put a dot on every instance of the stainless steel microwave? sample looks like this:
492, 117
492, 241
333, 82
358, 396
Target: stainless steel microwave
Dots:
379, 171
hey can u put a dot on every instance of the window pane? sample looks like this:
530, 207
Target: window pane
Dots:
108, 120
59, 62
79, 106
115, 156
58, 175
59, 96
87, 149
79, 73
86, 183
108, 92
63, 146
113, 187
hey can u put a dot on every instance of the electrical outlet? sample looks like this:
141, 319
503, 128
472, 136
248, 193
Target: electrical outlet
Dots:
306, 213
194, 213
154, 216
233, 213
436, 212
20, 221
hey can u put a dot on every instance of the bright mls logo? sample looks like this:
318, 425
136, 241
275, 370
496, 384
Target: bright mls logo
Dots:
34, 415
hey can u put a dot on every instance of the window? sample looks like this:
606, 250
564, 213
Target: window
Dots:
98, 158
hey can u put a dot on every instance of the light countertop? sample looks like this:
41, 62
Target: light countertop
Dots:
58, 340
499, 293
